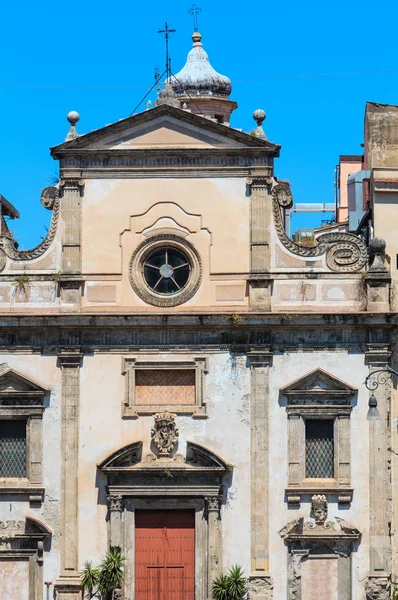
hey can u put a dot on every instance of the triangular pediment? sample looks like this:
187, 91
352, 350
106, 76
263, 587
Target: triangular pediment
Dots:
164, 127
318, 383
13, 383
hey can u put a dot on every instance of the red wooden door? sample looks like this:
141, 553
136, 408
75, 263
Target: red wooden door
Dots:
164, 555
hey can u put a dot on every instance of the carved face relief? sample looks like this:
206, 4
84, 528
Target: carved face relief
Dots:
165, 433
320, 508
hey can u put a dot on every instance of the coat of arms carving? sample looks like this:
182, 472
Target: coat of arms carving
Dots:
164, 434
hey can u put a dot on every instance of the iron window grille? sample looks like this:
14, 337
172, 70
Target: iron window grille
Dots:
13, 448
319, 449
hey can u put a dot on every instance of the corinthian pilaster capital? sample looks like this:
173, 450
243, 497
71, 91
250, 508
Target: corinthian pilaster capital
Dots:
213, 503
116, 503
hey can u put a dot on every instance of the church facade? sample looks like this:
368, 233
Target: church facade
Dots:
181, 380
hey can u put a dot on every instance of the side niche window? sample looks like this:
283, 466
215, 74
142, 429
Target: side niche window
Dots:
13, 448
318, 407
319, 448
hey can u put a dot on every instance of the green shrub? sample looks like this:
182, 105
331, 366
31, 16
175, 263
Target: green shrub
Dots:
106, 578
89, 579
230, 586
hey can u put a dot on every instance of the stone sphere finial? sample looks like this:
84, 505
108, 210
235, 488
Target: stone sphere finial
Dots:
259, 116
377, 245
73, 117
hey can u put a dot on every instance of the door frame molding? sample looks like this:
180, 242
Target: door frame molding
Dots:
201, 538
194, 482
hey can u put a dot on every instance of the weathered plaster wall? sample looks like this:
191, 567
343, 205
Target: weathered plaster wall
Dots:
286, 369
221, 204
226, 432
14, 579
44, 371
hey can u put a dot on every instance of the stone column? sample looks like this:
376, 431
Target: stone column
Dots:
260, 580
260, 242
378, 278
214, 566
67, 587
116, 507
36, 450
378, 356
71, 217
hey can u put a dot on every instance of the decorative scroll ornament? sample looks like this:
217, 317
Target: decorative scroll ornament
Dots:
319, 506
377, 588
347, 527
48, 197
9, 246
12, 525
379, 377
345, 252
261, 587
165, 433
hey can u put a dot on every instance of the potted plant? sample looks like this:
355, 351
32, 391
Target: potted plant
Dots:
230, 586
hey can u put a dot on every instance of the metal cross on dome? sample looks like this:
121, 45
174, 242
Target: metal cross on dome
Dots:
194, 11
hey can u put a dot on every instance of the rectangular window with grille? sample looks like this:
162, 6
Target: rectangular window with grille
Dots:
13, 448
164, 387
319, 448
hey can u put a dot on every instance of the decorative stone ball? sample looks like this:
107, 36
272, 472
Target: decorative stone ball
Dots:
377, 246
259, 116
73, 117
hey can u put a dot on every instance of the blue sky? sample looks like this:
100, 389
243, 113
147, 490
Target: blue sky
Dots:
311, 66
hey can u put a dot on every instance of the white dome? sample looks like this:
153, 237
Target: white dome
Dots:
198, 76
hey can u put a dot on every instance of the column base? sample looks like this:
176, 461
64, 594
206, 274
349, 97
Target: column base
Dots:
261, 587
68, 588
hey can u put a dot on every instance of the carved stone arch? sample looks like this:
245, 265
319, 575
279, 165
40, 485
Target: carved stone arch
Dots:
328, 542
37, 528
200, 455
25, 540
124, 457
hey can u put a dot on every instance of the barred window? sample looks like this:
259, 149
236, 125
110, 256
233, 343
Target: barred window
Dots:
13, 448
164, 386
319, 448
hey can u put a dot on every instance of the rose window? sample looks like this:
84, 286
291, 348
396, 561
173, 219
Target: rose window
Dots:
167, 270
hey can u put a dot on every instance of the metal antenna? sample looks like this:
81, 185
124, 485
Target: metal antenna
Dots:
167, 32
194, 11
157, 78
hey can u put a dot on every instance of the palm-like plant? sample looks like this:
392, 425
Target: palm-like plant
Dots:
111, 571
237, 583
230, 586
219, 589
89, 579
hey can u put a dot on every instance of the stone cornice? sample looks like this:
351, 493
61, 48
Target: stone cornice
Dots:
202, 319
223, 161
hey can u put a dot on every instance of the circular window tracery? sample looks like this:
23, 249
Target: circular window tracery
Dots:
165, 270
